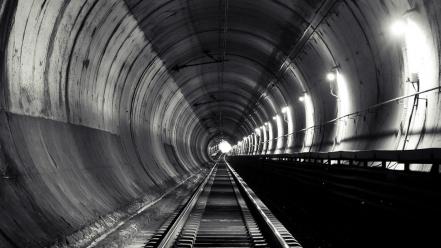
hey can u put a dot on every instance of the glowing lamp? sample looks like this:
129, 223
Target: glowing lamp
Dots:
330, 76
398, 28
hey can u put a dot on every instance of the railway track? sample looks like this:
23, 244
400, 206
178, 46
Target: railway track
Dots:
222, 212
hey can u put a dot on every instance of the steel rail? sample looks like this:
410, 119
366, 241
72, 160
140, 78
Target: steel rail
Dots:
172, 233
176, 227
277, 236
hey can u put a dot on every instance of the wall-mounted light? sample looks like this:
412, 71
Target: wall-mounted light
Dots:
301, 99
266, 123
419, 67
257, 130
401, 26
331, 76
275, 117
398, 27
285, 109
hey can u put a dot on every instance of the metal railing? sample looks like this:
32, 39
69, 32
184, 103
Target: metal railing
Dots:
428, 159
357, 113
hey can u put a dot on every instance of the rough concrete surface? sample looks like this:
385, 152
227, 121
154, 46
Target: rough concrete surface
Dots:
105, 102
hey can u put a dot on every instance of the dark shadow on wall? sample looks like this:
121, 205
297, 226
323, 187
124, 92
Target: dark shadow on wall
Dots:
58, 178
7, 12
152, 17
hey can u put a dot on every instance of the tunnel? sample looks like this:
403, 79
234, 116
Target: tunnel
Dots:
329, 110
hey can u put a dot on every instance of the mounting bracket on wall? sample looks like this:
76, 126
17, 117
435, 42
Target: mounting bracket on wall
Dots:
414, 79
332, 77
411, 10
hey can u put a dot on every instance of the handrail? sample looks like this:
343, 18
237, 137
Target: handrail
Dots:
431, 156
370, 108
423, 156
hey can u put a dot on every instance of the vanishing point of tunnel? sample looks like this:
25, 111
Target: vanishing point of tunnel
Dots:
220, 123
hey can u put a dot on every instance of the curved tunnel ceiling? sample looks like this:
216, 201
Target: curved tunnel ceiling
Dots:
222, 51
108, 101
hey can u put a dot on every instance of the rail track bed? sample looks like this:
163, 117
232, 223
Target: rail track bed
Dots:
222, 212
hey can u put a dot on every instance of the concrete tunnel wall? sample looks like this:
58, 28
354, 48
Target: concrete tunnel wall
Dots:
374, 67
93, 118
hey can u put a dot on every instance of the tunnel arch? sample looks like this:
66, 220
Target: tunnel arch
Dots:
106, 102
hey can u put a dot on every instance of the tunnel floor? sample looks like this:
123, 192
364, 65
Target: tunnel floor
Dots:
137, 231
215, 209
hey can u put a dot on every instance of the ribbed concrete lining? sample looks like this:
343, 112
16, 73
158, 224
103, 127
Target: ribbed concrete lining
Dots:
93, 120
95, 113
